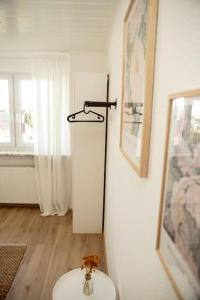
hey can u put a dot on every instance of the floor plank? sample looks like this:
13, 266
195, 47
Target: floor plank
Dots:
52, 250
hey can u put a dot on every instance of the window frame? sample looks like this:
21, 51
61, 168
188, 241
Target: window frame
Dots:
16, 144
8, 76
17, 77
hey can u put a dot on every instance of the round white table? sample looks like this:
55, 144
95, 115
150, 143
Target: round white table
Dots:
70, 287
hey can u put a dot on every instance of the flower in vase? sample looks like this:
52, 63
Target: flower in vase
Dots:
90, 263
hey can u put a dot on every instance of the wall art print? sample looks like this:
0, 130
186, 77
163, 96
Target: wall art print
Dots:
137, 83
178, 241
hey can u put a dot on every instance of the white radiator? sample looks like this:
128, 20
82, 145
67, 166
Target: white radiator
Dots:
17, 185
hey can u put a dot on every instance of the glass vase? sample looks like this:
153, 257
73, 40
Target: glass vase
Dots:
87, 285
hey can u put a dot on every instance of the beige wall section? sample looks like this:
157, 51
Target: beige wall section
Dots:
132, 203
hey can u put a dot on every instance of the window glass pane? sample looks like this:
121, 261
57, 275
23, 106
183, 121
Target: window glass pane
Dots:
4, 111
26, 101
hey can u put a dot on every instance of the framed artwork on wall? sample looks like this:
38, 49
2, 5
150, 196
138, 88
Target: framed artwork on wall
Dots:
137, 82
178, 241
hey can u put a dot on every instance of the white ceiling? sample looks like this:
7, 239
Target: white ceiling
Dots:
53, 25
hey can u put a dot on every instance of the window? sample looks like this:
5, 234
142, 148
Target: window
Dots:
5, 108
16, 112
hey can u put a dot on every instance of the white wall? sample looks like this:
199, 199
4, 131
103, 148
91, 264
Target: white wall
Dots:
10, 63
17, 185
84, 62
132, 203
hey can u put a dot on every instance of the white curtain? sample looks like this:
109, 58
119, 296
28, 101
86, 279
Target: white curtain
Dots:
52, 136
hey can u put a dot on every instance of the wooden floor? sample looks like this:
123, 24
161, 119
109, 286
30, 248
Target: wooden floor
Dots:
52, 249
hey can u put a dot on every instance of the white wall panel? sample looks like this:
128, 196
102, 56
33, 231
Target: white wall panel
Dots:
17, 185
88, 157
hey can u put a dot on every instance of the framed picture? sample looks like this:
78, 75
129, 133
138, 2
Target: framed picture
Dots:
137, 83
178, 241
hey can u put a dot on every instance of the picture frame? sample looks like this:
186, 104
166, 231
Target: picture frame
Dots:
137, 82
178, 238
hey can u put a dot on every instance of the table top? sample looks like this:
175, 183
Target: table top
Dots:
70, 286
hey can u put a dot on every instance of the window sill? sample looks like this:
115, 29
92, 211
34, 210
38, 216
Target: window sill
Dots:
16, 159
16, 153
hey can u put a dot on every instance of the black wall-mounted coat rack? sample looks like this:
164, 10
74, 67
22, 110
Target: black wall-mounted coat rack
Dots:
100, 104
100, 118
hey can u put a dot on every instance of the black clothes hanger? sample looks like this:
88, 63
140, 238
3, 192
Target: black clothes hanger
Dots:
72, 118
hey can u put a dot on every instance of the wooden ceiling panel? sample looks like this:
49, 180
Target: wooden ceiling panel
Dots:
75, 24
